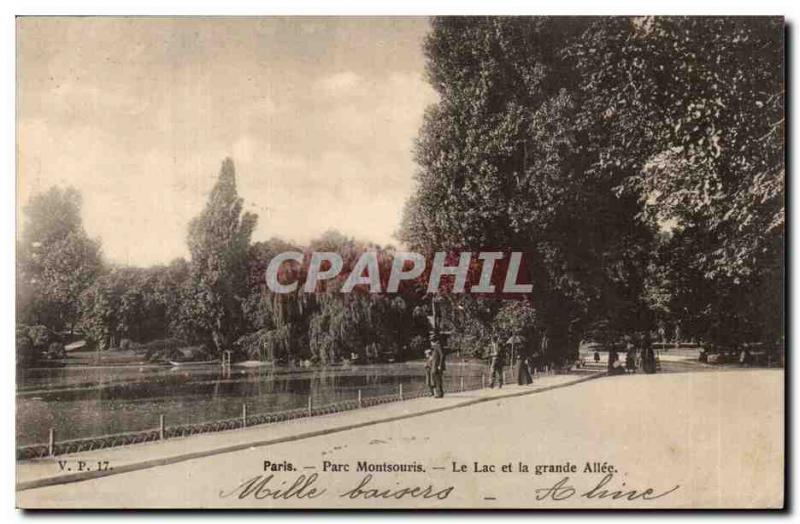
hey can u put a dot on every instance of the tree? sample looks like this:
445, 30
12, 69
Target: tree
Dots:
57, 260
219, 242
679, 106
139, 304
501, 164
326, 326
277, 324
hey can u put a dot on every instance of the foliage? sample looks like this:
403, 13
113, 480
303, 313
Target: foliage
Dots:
158, 348
56, 350
34, 343
602, 146
56, 260
27, 353
707, 131
348, 324
274, 345
639, 161
501, 164
327, 326
219, 243
699, 132
131, 303
516, 319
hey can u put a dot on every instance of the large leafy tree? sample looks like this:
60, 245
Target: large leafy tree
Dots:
219, 243
56, 260
139, 304
502, 164
691, 110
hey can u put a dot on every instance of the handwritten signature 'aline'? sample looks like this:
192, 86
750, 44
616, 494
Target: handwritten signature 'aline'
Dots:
562, 490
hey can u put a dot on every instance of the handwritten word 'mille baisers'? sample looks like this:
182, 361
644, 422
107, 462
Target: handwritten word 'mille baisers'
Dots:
486, 272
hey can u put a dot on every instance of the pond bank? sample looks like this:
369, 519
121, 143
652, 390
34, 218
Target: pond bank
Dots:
37, 473
89, 402
658, 431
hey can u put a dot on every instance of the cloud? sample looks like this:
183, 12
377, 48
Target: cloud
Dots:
343, 82
138, 114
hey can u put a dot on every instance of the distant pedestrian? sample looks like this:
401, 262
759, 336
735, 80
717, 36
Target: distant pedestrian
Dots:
429, 371
438, 365
596, 357
630, 361
496, 365
744, 357
524, 374
614, 365
648, 360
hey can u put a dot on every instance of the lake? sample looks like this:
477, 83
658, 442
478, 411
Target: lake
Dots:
84, 401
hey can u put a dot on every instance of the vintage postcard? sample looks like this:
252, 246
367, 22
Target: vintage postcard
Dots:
400, 262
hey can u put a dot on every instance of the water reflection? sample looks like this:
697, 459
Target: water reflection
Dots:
80, 402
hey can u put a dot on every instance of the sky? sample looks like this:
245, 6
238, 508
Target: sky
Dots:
319, 116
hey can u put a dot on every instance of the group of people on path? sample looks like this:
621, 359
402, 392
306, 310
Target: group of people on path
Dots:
644, 359
435, 367
497, 362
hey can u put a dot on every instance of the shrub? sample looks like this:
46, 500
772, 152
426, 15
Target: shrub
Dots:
27, 353
372, 352
34, 342
41, 336
56, 350
418, 346
161, 347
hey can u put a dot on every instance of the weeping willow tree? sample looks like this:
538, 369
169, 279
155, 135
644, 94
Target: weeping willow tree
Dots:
267, 345
281, 322
326, 326
373, 327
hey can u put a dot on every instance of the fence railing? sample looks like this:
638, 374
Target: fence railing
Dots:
166, 431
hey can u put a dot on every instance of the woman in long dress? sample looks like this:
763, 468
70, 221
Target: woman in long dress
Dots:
524, 373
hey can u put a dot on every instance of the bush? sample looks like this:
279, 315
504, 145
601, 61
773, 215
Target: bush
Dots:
418, 346
26, 351
161, 347
33, 343
186, 354
372, 352
125, 344
56, 350
41, 336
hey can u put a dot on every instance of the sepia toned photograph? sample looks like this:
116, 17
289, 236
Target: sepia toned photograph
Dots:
453, 262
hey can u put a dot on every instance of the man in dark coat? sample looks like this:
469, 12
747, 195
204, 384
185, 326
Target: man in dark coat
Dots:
438, 367
496, 365
429, 371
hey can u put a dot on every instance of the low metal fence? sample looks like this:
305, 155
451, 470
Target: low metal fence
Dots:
166, 431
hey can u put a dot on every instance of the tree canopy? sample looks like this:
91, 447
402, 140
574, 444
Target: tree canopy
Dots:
638, 162
56, 260
219, 244
606, 146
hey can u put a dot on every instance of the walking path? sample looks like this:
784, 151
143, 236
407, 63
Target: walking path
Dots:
45, 472
706, 439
